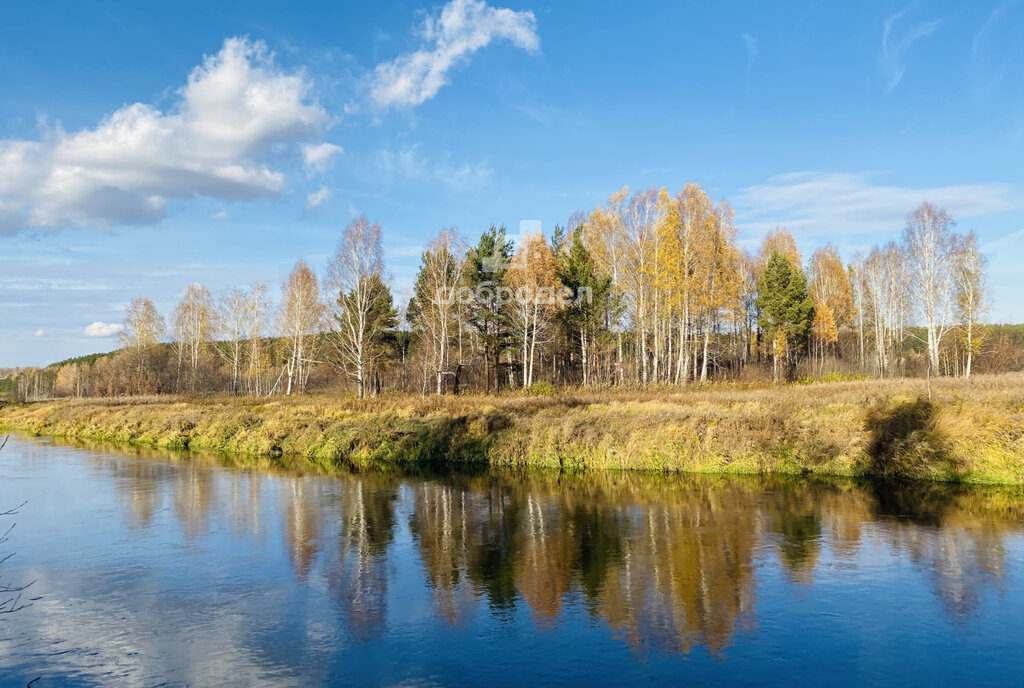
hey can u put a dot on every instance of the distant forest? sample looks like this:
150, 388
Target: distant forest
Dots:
647, 289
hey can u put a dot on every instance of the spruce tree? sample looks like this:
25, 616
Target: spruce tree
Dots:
786, 309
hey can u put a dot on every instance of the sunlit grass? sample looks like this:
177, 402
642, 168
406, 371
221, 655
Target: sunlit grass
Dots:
970, 430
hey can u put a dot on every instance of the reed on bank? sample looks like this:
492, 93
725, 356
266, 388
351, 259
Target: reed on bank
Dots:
963, 431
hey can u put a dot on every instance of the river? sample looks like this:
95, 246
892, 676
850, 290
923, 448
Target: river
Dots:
156, 569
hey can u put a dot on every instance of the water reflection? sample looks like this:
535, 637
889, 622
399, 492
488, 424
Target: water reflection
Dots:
667, 564
668, 561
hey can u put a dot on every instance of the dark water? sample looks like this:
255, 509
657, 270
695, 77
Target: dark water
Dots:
169, 571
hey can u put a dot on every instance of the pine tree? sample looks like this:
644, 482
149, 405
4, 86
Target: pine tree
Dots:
486, 265
590, 299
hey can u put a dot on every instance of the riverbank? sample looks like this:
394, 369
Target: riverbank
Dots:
970, 431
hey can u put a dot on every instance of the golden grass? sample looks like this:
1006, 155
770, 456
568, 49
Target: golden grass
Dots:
970, 431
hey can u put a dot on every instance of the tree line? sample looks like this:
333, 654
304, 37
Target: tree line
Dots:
647, 288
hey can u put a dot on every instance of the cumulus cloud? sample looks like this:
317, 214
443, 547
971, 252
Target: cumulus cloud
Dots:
235, 110
894, 47
462, 28
102, 329
830, 203
317, 198
219, 215
320, 157
40, 332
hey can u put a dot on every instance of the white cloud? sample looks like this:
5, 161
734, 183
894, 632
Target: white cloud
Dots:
320, 157
316, 198
102, 329
835, 204
893, 48
237, 108
219, 215
40, 332
463, 27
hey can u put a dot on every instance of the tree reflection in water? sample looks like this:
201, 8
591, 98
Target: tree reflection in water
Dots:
667, 563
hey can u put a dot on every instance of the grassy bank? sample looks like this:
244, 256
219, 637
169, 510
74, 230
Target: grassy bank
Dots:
970, 431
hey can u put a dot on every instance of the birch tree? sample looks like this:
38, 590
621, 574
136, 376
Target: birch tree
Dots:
432, 309
832, 293
238, 313
195, 323
533, 277
354, 281
971, 294
930, 251
300, 317
143, 328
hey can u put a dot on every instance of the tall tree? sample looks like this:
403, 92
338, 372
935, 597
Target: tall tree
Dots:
930, 250
300, 317
354, 281
832, 293
237, 313
195, 322
258, 323
589, 299
432, 308
486, 266
787, 311
143, 328
971, 294
533, 277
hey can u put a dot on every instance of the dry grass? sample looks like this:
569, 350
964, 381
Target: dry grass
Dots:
970, 431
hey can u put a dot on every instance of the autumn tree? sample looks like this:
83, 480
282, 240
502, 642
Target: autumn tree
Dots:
354, 282
299, 318
142, 330
717, 280
689, 219
533, 278
781, 241
787, 311
832, 294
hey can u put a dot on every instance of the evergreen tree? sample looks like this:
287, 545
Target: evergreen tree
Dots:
786, 309
590, 299
486, 266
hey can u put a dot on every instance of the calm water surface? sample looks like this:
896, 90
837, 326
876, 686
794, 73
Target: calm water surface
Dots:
156, 570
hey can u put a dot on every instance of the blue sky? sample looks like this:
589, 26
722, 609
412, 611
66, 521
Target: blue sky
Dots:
145, 147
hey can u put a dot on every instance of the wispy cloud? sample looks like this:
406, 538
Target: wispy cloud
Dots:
410, 164
462, 28
236, 111
896, 43
987, 75
750, 45
845, 204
